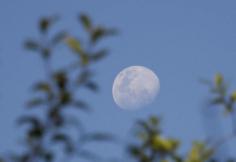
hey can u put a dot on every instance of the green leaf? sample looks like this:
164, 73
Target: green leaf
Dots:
46, 22
218, 79
154, 120
165, 145
100, 32
233, 96
75, 45
65, 97
86, 22
42, 86
199, 152
134, 150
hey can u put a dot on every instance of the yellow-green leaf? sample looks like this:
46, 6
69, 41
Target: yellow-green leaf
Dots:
74, 44
218, 79
233, 96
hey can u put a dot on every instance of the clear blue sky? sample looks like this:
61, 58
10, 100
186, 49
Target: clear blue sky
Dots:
180, 40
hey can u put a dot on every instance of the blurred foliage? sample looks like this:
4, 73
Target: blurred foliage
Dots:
153, 146
57, 94
49, 131
221, 94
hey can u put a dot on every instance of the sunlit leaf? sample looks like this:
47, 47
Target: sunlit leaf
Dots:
42, 86
75, 45
233, 96
218, 79
162, 144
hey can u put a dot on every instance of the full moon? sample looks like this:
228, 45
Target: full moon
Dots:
135, 87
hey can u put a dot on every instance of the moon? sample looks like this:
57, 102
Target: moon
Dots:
135, 87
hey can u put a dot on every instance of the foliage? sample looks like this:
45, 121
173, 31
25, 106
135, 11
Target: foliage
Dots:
57, 94
153, 146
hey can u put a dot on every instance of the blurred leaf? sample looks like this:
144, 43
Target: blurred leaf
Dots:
46, 22
92, 86
48, 156
81, 105
59, 37
32, 45
36, 132
134, 150
143, 125
65, 97
101, 32
154, 120
35, 102
199, 152
218, 79
233, 96
34, 121
61, 79
66, 140
99, 55
75, 45
42, 86
60, 137
165, 145
56, 117
97, 137
84, 76
86, 22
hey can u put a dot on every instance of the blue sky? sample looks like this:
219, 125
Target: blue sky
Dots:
181, 41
